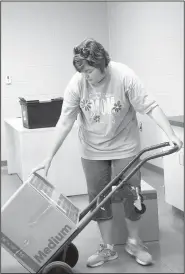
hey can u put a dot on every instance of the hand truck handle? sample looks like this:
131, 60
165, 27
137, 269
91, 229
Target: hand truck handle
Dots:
117, 178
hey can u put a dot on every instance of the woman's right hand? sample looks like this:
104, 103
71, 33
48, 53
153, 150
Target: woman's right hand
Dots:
44, 165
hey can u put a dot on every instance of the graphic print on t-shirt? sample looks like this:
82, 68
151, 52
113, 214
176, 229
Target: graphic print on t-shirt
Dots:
100, 107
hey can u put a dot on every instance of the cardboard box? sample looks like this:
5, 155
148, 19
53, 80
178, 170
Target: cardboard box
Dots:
36, 220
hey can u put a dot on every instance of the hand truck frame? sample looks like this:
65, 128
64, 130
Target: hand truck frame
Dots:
52, 263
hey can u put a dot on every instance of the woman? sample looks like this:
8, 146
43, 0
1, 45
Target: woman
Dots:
105, 96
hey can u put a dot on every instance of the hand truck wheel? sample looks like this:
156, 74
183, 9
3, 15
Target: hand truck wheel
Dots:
142, 210
57, 268
71, 257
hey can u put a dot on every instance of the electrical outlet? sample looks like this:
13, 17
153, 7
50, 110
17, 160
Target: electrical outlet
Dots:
8, 80
140, 126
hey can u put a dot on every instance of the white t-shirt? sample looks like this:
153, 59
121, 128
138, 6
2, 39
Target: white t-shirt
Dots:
108, 127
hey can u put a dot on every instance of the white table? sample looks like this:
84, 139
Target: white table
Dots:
26, 148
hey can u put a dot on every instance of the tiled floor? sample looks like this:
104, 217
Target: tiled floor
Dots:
168, 253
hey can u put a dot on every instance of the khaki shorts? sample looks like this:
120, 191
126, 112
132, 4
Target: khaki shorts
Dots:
99, 173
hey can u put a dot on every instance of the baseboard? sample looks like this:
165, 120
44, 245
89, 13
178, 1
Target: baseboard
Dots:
178, 212
3, 163
152, 167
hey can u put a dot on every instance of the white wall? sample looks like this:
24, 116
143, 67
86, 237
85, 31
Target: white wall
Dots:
148, 37
37, 41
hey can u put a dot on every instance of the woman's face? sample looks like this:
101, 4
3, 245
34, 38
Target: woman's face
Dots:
92, 74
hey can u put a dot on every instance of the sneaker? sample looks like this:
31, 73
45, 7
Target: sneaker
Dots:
140, 252
104, 254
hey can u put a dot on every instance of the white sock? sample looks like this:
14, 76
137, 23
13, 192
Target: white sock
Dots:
110, 246
132, 241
